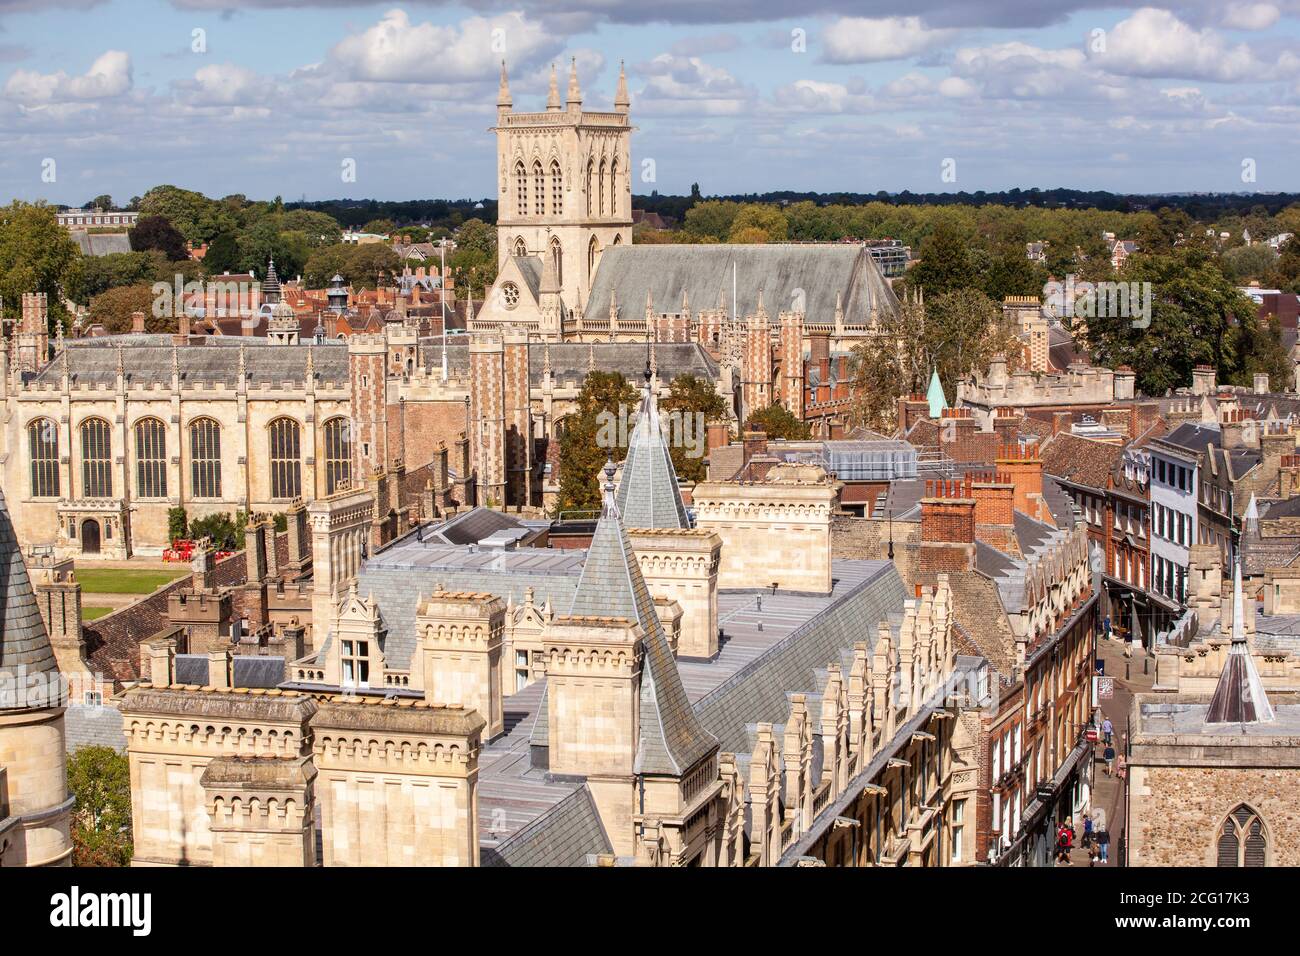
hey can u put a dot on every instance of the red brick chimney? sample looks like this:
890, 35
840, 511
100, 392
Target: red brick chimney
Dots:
994, 499
1023, 467
1061, 422
137, 322
947, 526
755, 443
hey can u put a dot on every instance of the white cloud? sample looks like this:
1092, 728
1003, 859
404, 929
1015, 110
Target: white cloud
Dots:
1156, 43
1249, 16
397, 50
226, 84
686, 84
108, 76
864, 40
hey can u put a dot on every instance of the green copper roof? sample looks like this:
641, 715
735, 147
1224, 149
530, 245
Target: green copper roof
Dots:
934, 395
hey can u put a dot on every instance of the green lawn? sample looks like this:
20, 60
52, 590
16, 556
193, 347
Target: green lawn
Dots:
90, 612
124, 580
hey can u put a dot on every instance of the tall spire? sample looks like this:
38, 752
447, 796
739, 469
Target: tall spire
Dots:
648, 494
25, 650
575, 94
1239, 697
622, 102
672, 738
503, 93
553, 95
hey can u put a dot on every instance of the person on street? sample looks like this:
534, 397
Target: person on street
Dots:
1087, 831
1103, 845
1108, 731
1109, 756
1094, 855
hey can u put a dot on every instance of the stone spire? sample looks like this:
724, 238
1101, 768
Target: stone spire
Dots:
503, 92
25, 650
574, 101
648, 494
553, 95
622, 102
672, 738
1239, 697
271, 284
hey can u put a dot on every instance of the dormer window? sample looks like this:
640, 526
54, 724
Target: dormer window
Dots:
356, 663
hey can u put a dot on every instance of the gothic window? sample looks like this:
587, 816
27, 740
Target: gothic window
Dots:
150, 458
356, 663
521, 189
43, 443
286, 460
539, 189
205, 458
96, 459
591, 166
338, 454
592, 250
520, 248
557, 188
1242, 839
600, 189
614, 186
557, 257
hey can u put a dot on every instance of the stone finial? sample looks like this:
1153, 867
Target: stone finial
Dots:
622, 102
553, 95
575, 93
503, 93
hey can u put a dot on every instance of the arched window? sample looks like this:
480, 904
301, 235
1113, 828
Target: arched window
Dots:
338, 454
1243, 840
557, 256
96, 459
43, 444
521, 189
205, 458
591, 166
557, 188
520, 248
592, 250
286, 460
150, 458
600, 189
613, 187
539, 188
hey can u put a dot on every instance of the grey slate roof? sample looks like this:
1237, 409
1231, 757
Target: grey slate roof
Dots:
570, 360
648, 495
147, 360
86, 726
25, 649
757, 692
564, 836
101, 243
780, 272
672, 740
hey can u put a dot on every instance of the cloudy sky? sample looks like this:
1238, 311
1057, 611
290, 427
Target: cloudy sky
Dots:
270, 97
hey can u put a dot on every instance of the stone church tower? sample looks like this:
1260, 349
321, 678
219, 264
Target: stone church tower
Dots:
564, 183
34, 801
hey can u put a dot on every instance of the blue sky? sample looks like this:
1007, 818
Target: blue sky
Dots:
273, 95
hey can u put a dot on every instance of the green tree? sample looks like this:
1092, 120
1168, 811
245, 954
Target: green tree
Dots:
36, 255
1243, 263
97, 274
776, 421
474, 263
103, 201
370, 264
100, 781
946, 264
222, 255
693, 400
177, 523
587, 440
320, 229
155, 232
112, 309
225, 532
197, 217
323, 264
758, 222
379, 227
711, 219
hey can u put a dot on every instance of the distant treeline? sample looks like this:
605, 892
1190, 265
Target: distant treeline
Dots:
447, 213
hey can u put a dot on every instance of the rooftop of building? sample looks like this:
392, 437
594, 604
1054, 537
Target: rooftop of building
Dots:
1185, 716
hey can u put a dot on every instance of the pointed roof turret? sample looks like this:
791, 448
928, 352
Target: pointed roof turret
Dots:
503, 92
271, 284
622, 102
575, 94
648, 495
934, 395
553, 95
25, 650
1239, 697
672, 738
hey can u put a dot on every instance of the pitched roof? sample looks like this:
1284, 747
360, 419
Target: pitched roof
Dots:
1081, 461
778, 273
1239, 697
672, 739
648, 495
25, 649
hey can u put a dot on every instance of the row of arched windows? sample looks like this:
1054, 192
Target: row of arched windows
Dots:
539, 190
602, 187
284, 444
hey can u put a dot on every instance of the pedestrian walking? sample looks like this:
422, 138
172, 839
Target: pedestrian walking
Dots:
1094, 854
1108, 731
1103, 845
1087, 831
1121, 768
1063, 843
1109, 756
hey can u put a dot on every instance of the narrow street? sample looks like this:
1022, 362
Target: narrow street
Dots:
1108, 792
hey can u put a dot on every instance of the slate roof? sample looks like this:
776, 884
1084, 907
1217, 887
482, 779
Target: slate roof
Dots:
147, 360
566, 835
25, 650
648, 494
672, 740
777, 271
101, 243
570, 360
